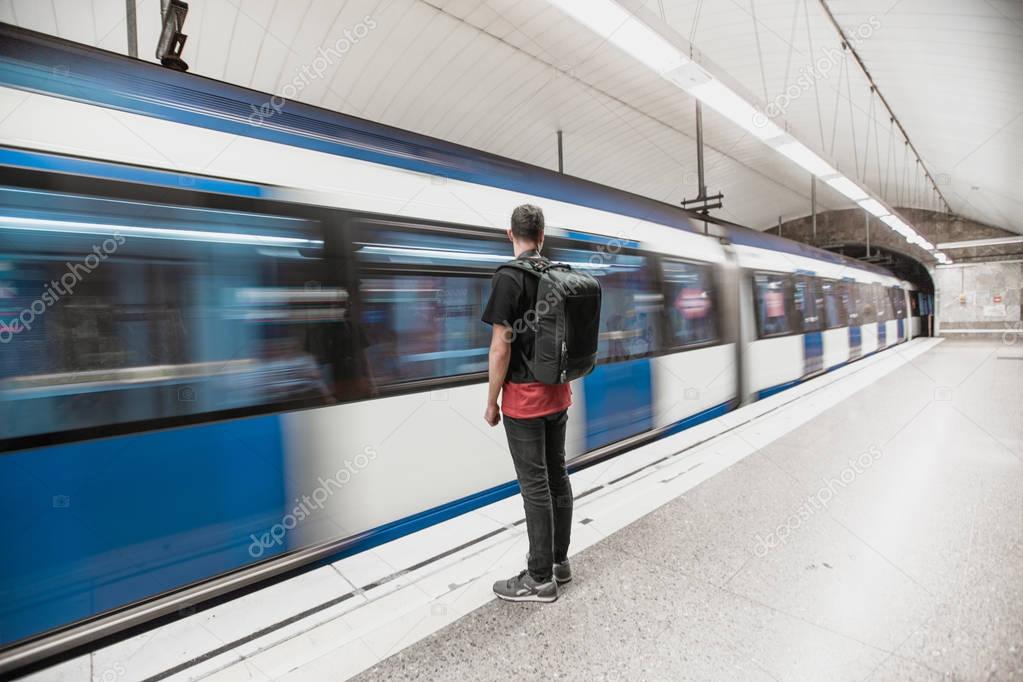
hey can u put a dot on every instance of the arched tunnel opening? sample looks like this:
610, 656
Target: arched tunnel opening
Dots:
901, 265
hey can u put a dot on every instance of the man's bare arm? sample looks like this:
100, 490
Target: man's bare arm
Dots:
500, 356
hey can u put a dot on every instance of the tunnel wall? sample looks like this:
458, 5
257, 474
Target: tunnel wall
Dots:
979, 296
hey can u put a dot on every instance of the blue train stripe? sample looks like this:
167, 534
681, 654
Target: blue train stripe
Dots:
768, 392
43, 161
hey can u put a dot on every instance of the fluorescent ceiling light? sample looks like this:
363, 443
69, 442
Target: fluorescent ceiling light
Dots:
874, 206
848, 188
723, 100
802, 155
894, 222
995, 241
618, 26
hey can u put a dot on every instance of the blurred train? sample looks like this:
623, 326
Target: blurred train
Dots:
231, 348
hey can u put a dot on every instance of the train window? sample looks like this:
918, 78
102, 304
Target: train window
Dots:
631, 306
161, 312
424, 327
853, 304
836, 312
883, 302
868, 306
689, 303
898, 296
808, 304
772, 294
422, 293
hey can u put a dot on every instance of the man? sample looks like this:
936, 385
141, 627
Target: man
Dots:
535, 417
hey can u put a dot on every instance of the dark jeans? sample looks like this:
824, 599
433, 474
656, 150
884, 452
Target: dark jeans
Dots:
538, 451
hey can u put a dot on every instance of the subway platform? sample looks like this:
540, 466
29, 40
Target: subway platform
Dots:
864, 525
880, 540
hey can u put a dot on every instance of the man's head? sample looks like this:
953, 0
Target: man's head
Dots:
527, 226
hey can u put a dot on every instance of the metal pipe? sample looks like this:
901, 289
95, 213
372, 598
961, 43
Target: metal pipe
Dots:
866, 222
133, 33
813, 205
700, 179
561, 153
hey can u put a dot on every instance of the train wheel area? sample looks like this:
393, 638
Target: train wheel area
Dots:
865, 512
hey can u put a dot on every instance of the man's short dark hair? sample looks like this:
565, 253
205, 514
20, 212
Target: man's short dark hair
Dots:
527, 222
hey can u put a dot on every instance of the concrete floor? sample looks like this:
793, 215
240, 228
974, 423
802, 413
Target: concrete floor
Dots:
795, 564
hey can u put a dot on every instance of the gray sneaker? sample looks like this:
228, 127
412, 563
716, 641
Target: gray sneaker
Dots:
523, 588
563, 572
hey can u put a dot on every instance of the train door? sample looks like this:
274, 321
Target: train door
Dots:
899, 303
618, 394
808, 306
850, 293
881, 304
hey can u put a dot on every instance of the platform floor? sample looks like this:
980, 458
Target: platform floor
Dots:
911, 568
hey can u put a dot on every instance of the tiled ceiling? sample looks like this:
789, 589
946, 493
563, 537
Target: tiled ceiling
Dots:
505, 75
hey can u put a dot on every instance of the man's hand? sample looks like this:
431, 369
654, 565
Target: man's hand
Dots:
493, 415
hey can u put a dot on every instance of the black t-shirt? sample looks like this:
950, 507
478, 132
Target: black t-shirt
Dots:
513, 294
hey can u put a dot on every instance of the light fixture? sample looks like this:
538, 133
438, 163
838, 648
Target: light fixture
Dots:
896, 223
620, 27
873, 206
848, 188
723, 100
613, 23
803, 156
973, 243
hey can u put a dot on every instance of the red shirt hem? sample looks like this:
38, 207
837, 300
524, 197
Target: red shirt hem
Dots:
526, 401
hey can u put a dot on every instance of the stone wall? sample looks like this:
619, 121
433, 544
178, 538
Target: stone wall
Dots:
849, 226
978, 296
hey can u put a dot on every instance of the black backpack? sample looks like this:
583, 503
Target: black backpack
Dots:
565, 317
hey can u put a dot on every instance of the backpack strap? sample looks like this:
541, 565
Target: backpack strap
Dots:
534, 265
